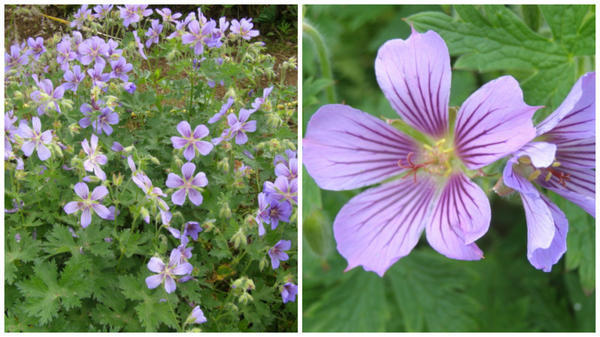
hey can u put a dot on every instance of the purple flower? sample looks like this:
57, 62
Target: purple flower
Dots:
243, 28
271, 211
153, 33
197, 316
191, 141
288, 292
120, 68
99, 118
129, 14
64, 53
165, 13
93, 50
216, 117
37, 47
562, 159
129, 87
73, 78
179, 30
9, 125
15, 59
10, 155
102, 11
35, 138
99, 78
117, 147
94, 157
88, 202
259, 101
189, 185
167, 273
282, 189
47, 95
239, 126
81, 16
288, 170
277, 253
192, 228
199, 36
139, 45
345, 148
113, 52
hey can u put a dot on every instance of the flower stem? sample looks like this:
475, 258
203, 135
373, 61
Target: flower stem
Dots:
323, 54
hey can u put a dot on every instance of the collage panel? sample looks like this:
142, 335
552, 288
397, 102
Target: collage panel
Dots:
448, 168
150, 168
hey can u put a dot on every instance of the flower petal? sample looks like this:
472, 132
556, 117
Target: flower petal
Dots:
178, 142
43, 152
99, 192
189, 153
345, 148
174, 180
82, 190
195, 196
28, 148
156, 265
154, 281
187, 170
200, 131
579, 187
579, 153
381, 225
414, 74
241, 138
493, 122
575, 117
86, 217
178, 198
250, 126
182, 269
200, 180
71, 207
203, 147
184, 129
461, 215
102, 211
170, 285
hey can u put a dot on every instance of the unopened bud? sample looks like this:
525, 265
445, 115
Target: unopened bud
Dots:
238, 239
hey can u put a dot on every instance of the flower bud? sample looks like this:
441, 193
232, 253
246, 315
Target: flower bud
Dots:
117, 179
225, 211
74, 129
154, 160
263, 263
245, 298
239, 238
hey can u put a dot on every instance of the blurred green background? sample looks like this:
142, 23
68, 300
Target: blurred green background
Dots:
546, 48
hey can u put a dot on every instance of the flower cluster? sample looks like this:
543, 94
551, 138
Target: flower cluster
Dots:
427, 179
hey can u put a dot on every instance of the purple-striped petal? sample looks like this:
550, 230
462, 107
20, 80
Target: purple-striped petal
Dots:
82, 190
578, 187
200, 131
86, 217
241, 138
200, 180
156, 265
184, 129
189, 153
461, 215
178, 198
71, 207
381, 225
170, 285
99, 192
203, 147
43, 152
493, 122
195, 196
35, 122
250, 126
182, 269
575, 117
174, 180
345, 148
46, 137
414, 74
188, 170
154, 281
102, 211
580, 153
28, 148
540, 224
178, 142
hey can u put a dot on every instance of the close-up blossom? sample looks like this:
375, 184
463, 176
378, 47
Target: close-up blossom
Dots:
239, 125
187, 185
282, 189
34, 138
36, 47
153, 33
94, 158
277, 252
561, 159
191, 140
47, 96
167, 273
89, 201
288, 292
197, 316
72, 78
216, 117
243, 28
345, 148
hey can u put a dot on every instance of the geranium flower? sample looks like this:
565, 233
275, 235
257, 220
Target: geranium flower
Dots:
199, 35
216, 117
82, 14
243, 28
561, 159
188, 185
34, 138
277, 253
120, 68
47, 95
239, 126
271, 211
288, 292
167, 273
93, 49
345, 148
15, 59
139, 45
282, 189
166, 15
102, 11
191, 141
153, 33
37, 47
73, 78
197, 316
88, 203
95, 157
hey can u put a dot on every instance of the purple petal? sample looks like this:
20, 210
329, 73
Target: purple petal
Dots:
200, 131
99, 192
174, 181
493, 122
575, 117
36, 124
203, 147
43, 152
176, 234
170, 285
189, 153
71, 207
241, 138
28, 148
178, 198
184, 129
195, 196
461, 215
156, 265
381, 225
200, 180
183, 269
102, 211
580, 153
86, 217
579, 187
540, 223
46, 137
345, 148
414, 74
188, 170
250, 126
82, 190
178, 142
154, 281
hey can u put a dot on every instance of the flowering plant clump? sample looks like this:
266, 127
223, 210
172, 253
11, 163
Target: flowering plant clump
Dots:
138, 209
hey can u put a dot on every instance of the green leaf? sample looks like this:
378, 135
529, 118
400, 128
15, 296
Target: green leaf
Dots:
571, 25
430, 291
60, 240
355, 304
26, 250
42, 292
